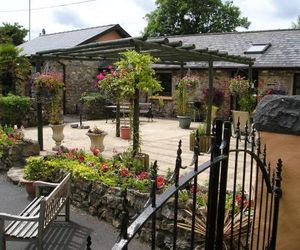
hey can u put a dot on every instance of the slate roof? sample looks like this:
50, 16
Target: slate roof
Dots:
68, 39
284, 51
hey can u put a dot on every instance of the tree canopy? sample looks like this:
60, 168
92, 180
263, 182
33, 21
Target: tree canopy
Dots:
12, 33
14, 68
176, 17
296, 24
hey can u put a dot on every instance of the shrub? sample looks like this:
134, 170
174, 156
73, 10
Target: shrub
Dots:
5, 141
13, 109
37, 169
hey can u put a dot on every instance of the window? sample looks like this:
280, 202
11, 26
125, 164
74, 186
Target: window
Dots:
257, 48
165, 79
296, 88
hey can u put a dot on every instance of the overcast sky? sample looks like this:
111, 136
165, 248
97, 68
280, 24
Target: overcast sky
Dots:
263, 14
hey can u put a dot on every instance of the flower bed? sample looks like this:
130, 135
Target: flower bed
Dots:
97, 185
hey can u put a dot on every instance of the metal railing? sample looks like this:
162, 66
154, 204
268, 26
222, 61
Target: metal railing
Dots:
250, 225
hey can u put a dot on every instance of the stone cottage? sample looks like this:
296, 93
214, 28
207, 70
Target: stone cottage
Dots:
79, 76
277, 65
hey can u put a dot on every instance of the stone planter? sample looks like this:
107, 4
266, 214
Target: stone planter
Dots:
204, 143
184, 121
57, 135
97, 140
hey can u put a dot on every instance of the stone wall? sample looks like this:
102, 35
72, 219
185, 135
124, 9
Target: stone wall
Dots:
283, 78
106, 203
15, 155
220, 81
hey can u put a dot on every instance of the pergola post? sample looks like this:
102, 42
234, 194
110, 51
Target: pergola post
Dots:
210, 96
250, 73
39, 110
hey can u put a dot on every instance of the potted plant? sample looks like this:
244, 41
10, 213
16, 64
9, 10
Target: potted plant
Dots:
182, 108
36, 169
204, 140
241, 89
51, 83
133, 75
96, 136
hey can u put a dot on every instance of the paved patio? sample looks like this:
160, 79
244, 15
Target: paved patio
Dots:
159, 139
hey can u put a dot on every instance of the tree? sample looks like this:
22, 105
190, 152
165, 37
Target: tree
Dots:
12, 33
14, 68
176, 17
296, 24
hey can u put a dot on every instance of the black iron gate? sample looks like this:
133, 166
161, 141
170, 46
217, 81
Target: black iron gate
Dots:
243, 196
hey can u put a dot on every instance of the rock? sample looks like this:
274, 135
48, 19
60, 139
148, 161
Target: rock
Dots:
15, 174
278, 113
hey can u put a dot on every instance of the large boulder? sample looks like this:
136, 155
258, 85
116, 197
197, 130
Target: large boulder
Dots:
278, 113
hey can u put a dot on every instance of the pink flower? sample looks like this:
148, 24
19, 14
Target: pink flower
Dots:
110, 67
100, 76
160, 181
124, 172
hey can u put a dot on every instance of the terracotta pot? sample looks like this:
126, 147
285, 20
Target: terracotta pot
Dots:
204, 143
57, 135
125, 132
97, 141
28, 184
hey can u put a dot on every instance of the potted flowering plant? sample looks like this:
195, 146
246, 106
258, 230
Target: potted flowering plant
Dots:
181, 93
96, 136
242, 91
133, 74
51, 83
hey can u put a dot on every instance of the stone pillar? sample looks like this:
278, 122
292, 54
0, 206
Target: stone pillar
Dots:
277, 119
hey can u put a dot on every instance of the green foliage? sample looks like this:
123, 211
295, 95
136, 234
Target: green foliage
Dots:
201, 129
13, 109
14, 67
241, 87
5, 140
296, 24
139, 73
12, 33
177, 17
182, 97
51, 83
38, 169
112, 172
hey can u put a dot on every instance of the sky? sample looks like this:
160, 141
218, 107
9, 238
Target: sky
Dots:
63, 15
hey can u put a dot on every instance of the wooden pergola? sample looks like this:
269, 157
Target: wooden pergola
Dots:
169, 53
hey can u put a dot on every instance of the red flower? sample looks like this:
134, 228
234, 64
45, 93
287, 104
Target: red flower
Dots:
160, 181
104, 167
124, 172
142, 176
95, 151
81, 158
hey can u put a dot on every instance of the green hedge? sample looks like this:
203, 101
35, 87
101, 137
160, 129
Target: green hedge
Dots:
13, 109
